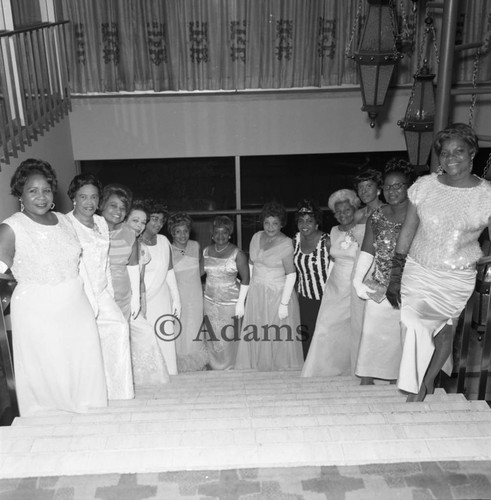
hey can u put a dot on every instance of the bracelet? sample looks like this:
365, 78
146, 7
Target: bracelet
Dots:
283, 304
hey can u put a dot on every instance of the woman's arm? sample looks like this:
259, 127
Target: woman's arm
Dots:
7, 247
243, 268
408, 230
133, 259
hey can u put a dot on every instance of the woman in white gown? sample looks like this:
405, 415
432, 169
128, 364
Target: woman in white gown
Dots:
330, 351
162, 295
149, 367
57, 354
93, 234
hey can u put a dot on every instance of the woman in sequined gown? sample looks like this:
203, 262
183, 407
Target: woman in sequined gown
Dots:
380, 350
57, 353
330, 351
438, 244
93, 234
225, 295
187, 259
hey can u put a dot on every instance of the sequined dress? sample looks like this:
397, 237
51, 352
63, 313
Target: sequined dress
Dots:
439, 275
330, 351
380, 350
57, 353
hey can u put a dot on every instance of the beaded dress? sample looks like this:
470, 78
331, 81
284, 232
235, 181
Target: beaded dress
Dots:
439, 275
380, 349
57, 353
330, 351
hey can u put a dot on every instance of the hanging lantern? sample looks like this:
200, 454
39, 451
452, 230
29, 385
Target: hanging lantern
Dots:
377, 56
420, 118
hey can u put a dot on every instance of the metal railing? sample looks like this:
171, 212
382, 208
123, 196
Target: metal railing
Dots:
34, 86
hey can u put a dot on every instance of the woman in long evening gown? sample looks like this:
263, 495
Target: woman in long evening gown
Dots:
330, 351
225, 295
57, 354
162, 295
149, 368
271, 336
93, 234
380, 350
368, 185
187, 261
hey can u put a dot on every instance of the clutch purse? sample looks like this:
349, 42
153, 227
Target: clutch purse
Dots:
378, 294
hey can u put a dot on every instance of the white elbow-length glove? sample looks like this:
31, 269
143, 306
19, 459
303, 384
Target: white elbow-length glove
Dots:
174, 291
134, 274
363, 265
285, 296
240, 306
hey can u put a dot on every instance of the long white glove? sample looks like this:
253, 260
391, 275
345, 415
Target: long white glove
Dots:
174, 291
285, 296
363, 265
3, 267
134, 274
240, 306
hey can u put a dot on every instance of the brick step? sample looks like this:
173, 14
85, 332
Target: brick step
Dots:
226, 456
208, 418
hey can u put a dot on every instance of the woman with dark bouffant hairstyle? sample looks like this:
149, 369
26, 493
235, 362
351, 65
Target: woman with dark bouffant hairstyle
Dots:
271, 332
57, 354
93, 234
162, 293
380, 349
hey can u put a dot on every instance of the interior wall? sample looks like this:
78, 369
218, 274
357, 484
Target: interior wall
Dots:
55, 147
175, 126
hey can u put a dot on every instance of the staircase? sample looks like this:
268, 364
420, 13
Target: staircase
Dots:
241, 419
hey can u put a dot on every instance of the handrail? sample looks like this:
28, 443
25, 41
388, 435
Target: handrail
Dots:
34, 86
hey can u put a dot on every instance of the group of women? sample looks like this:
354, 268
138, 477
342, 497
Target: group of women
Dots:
105, 303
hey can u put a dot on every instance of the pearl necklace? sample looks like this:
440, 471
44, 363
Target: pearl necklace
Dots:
151, 242
223, 249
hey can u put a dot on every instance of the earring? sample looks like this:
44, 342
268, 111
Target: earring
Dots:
74, 203
21, 205
440, 170
52, 206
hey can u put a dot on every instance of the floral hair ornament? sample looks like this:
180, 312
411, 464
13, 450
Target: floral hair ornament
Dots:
305, 211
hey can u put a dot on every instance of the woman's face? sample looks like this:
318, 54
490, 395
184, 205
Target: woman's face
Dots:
367, 191
37, 195
114, 211
307, 225
86, 201
272, 226
395, 188
456, 158
344, 212
155, 224
137, 221
180, 234
221, 235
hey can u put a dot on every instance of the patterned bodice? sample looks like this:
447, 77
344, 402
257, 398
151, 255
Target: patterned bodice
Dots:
312, 268
44, 254
385, 235
451, 220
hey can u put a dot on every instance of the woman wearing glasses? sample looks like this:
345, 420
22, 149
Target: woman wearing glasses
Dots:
380, 350
436, 254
